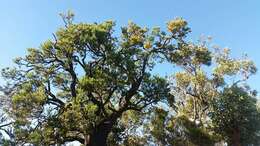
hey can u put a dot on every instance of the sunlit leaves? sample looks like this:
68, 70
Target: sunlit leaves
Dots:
230, 66
178, 27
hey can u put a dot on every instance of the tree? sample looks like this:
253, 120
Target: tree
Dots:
195, 88
236, 118
78, 85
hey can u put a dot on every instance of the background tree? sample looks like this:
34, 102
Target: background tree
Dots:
195, 87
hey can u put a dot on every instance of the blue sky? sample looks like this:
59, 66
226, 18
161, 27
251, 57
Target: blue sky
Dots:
231, 23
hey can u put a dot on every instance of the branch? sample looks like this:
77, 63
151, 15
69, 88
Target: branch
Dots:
54, 99
4, 125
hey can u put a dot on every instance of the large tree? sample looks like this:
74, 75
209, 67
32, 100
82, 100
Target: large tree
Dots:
77, 85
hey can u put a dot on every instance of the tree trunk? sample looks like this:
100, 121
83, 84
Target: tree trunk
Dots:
97, 139
100, 134
235, 141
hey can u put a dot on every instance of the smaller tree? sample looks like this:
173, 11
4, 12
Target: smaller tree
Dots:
195, 87
236, 118
197, 84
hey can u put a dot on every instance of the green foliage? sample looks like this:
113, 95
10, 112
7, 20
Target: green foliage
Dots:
188, 133
178, 130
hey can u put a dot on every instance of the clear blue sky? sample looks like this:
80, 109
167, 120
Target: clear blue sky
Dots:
231, 23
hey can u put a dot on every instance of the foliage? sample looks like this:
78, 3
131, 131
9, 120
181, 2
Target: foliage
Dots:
178, 130
235, 111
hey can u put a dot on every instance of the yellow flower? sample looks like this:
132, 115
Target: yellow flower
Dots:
147, 45
176, 24
135, 39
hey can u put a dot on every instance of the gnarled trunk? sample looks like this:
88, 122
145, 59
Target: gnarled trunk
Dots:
97, 139
100, 134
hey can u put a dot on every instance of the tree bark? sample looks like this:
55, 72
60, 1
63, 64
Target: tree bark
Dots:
100, 134
235, 141
97, 139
